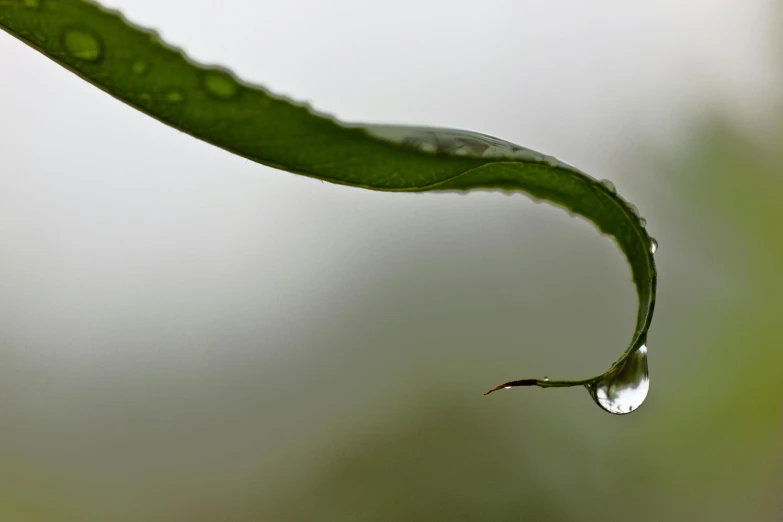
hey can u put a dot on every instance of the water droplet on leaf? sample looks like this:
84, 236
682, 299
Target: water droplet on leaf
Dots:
609, 186
546, 379
220, 84
643, 222
623, 389
653, 245
552, 161
428, 147
82, 45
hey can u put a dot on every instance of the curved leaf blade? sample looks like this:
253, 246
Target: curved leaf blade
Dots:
210, 103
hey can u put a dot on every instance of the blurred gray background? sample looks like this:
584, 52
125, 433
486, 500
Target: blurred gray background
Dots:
189, 336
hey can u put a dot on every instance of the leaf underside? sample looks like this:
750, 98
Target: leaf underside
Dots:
210, 103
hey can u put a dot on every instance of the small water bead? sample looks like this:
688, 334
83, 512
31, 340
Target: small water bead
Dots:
495, 152
428, 147
82, 44
624, 389
643, 222
653, 245
609, 186
546, 379
633, 209
552, 161
528, 155
140, 67
220, 84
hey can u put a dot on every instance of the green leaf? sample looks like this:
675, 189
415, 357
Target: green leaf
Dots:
211, 104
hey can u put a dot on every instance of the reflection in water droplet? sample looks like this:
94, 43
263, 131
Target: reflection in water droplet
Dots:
175, 96
609, 186
625, 388
220, 84
653, 245
82, 45
139, 67
428, 147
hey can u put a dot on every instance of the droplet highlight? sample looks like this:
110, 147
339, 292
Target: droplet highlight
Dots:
609, 186
623, 389
83, 45
653, 245
220, 84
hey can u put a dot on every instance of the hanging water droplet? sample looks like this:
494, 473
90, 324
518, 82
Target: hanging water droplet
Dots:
220, 84
609, 186
139, 67
175, 96
625, 388
82, 45
643, 222
653, 245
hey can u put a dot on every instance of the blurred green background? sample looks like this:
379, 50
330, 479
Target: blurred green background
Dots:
187, 336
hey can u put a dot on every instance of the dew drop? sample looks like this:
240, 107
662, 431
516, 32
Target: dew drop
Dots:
625, 388
428, 147
82, 45
175, 96
546, 379
220, 84
633, 209
609, 186
552, 161
527, 155
140, 67
653, 245
643, 222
